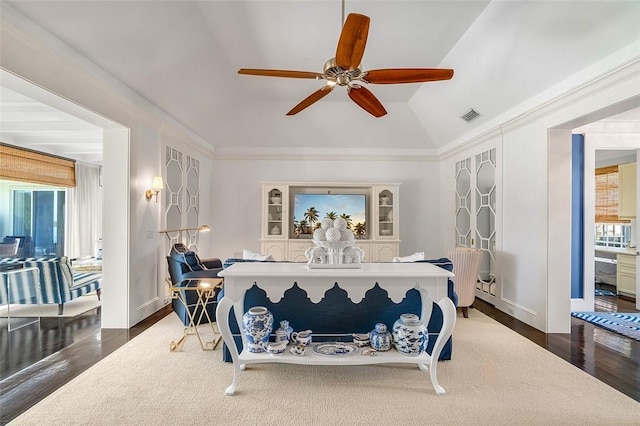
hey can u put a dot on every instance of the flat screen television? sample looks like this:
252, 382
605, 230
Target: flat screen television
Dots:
309, 206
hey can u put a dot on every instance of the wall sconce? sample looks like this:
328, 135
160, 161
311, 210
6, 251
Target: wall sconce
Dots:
155, 188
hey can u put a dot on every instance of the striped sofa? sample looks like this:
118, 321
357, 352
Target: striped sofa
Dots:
59, 283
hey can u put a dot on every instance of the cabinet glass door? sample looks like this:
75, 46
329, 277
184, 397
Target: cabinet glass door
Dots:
385, 213
274, 212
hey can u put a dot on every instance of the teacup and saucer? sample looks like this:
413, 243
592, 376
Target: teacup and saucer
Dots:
298, 350
361, 339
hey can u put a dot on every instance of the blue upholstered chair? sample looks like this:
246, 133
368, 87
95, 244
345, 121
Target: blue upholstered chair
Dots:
184, 266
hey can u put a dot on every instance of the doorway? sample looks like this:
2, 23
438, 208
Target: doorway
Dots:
114, 144
615, 231
609, 142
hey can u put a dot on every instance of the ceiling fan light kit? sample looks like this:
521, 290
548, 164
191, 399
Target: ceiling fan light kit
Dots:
344, 70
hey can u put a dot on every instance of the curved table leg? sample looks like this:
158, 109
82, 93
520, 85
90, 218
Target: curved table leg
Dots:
222, 319
448, 322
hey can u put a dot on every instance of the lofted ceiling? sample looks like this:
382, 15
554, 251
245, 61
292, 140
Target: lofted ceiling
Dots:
183, 56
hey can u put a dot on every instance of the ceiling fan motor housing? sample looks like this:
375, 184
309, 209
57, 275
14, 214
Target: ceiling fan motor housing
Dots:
332, 72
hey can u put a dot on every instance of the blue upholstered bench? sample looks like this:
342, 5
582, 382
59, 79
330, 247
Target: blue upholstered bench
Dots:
58, 283
375, 307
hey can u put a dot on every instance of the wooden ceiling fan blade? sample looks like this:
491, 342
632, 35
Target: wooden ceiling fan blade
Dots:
353, 40
407, 75
367, 101
311, 99
280, 73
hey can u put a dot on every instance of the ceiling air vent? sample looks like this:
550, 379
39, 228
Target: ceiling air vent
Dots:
472, 114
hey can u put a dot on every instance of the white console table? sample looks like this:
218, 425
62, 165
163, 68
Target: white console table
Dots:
276, 278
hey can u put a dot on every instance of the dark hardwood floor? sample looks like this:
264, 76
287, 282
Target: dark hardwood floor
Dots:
37, 361
610, 357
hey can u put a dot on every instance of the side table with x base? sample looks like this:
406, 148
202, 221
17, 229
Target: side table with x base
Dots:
205, 289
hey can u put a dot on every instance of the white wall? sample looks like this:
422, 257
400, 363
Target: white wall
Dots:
534, 278
132, 257
236, 204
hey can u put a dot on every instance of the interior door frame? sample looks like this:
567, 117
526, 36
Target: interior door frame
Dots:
637, 238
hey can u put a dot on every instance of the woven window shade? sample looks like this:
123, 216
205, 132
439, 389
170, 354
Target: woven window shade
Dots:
607, 195
35, 167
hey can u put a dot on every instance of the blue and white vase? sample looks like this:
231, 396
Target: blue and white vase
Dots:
410, 335
284, 332
380, 338
257, 324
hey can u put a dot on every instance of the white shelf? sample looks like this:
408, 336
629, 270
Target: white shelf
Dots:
312, 358
606, 260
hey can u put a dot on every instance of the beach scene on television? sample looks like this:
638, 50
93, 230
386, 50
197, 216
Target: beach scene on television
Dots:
310, 209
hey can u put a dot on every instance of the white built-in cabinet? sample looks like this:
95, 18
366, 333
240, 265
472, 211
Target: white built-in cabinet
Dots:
626, 274
626, 270
628, 191
381, 244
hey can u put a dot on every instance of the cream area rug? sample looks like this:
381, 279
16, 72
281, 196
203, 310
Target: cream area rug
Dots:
75, 307
496, 377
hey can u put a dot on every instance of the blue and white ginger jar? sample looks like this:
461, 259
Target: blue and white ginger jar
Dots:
410, 335
257, 324
380, 338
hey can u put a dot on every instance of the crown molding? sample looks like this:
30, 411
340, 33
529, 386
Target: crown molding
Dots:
314, 154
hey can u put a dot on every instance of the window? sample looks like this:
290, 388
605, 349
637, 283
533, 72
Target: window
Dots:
613, 235
611, 231
608, 195
39, 215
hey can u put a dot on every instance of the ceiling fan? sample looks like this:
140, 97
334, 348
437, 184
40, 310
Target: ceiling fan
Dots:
344, 70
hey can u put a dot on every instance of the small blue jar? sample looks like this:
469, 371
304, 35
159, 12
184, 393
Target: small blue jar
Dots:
380, 338
284, 332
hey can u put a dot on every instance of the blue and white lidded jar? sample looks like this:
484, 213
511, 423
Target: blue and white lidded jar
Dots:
284, 332
410, 335
257, 324
380, 338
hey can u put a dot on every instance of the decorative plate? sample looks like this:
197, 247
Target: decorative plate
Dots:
335, 349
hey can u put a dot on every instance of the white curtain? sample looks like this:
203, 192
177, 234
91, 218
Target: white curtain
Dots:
84, 213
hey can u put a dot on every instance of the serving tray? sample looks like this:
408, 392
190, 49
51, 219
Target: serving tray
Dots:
335, 349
